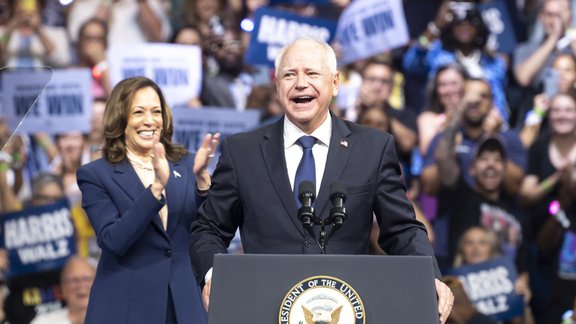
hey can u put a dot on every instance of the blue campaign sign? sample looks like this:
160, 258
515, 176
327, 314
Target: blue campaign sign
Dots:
497, 18
273, 29
190, 125
299, 2
38, 239
490, 287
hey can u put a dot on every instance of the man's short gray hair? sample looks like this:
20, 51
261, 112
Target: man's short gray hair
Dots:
330, 55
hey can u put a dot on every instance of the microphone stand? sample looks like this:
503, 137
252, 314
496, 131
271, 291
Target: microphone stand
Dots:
307, 215
322, 240
338, 214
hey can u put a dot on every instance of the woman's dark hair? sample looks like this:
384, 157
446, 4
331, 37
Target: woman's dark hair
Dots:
366, 109
180, 29
434, 104
474, 17
190, 12
96, 21
116, 115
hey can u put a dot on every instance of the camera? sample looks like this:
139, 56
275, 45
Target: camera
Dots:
460, 9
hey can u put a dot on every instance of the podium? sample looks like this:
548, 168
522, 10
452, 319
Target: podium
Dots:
310, 289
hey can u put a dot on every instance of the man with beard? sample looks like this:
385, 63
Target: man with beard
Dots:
450, 157
230, 85
484, 204
453, 147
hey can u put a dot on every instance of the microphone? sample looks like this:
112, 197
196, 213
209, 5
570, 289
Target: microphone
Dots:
306, 195
338, 213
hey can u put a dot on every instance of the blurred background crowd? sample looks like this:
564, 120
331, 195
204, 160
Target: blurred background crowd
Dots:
486, 133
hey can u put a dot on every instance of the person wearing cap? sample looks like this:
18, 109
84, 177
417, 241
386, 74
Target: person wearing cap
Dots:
485, 203
474, 118
450, 156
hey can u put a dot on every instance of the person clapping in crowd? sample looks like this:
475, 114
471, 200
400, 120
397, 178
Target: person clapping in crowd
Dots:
445, 93
550, 179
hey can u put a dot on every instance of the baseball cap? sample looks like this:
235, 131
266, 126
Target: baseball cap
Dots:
492, 142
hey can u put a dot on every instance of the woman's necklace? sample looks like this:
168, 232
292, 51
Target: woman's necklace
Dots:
138, 162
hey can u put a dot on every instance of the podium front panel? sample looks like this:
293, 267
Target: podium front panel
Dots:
269, 289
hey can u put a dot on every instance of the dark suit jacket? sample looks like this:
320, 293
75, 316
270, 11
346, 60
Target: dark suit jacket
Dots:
141, 262
251, 190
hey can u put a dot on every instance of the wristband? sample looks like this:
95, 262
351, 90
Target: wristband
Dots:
43, 142
532, 118
539, 111
423, 41
4, 167
546, 184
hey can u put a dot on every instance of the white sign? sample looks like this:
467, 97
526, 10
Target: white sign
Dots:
370, 27
176, 68
35, 103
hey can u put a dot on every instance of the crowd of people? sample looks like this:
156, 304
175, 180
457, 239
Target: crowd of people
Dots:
486, 139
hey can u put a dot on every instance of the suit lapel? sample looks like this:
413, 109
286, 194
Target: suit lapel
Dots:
340, 150
127, 179
272, 149
175, 191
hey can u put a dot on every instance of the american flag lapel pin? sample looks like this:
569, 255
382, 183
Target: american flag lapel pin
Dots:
176, 174
344, 142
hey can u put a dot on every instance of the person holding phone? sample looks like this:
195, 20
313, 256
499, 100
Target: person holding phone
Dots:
25, 40
459, 35
559, 79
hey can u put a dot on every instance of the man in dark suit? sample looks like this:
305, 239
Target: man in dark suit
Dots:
252, 187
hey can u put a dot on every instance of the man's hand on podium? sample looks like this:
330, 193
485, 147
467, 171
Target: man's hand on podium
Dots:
206, 294
445, 300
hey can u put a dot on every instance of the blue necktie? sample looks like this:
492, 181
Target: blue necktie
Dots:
306, 169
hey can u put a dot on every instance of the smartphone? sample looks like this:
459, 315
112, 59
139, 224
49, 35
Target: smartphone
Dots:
550, 82
460, 8
29, 5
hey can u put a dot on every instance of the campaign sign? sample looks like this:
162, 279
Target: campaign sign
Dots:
273, 29
38, 239
25, 86
299, 2
490, 287
496, 16
176, 68
62, 105
371, 27
191, 125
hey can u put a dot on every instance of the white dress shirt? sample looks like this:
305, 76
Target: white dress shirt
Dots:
293, 151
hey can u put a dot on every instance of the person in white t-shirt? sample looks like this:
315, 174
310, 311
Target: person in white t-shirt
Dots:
76, 282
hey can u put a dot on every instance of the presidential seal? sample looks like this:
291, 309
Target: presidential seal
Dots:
322, 300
